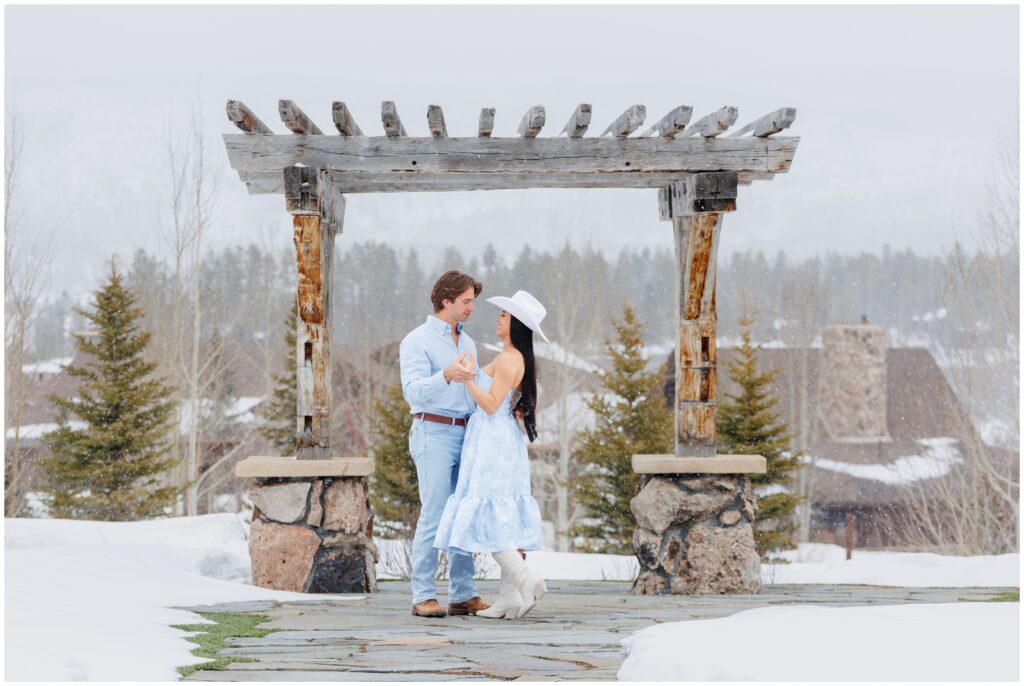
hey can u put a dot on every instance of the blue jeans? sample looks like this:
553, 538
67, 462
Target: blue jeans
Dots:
436, 450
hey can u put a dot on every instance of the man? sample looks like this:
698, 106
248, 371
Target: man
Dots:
434, 358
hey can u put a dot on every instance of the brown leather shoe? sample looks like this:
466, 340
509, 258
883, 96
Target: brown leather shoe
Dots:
428, 608
470, 607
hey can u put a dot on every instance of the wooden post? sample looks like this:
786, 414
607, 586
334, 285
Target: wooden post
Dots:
316, 219
695, 206
851, 534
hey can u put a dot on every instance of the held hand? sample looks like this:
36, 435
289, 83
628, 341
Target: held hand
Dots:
458, 371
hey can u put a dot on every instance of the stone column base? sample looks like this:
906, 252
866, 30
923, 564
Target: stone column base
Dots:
313, 535
695, 535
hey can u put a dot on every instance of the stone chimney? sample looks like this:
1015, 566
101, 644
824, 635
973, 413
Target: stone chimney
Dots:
851, 383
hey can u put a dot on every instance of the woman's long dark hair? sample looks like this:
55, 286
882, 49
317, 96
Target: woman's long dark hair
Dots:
522, 339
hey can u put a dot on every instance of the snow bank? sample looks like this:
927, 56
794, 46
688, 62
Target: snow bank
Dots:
36, 431
953, 642
53, 366
89, 600
822, 563
938, 459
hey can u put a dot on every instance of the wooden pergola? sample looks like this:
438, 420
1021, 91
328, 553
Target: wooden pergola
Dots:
696, 167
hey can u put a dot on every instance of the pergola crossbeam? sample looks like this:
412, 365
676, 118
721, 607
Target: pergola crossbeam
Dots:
486, 125
769, 124
533, 122
296, 120
343, 120
392, 122
242, 117
712, 125
435, 122
510, 155
263, 182
579, 122
627, 122
672, 123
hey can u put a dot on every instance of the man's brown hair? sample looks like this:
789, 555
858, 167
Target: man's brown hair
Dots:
451, 284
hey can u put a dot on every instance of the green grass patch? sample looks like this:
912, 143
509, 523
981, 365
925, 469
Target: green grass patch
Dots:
212, 638
1011, 597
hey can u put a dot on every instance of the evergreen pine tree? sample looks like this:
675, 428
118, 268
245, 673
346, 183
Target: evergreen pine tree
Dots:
279, 412
749, 425
395, 489
111, 469
635, 421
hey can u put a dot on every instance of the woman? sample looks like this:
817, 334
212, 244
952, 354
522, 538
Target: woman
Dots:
491, 510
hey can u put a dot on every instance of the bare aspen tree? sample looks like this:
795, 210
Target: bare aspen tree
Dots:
24, 269
803, 303
193, 198
976, 509
573, 329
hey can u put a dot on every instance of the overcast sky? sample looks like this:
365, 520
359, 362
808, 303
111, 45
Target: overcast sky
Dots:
900, 110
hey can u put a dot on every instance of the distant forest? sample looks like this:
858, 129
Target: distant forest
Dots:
380, 293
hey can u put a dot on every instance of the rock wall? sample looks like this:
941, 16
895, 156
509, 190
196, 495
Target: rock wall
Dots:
313, 535
695, 535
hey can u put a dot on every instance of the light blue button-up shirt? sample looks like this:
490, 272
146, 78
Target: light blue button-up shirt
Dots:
423, 356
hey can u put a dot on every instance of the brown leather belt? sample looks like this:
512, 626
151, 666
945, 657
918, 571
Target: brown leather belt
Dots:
451, 421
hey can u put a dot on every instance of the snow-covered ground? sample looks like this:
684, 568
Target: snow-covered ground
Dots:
969, 642
823, 563
90, 600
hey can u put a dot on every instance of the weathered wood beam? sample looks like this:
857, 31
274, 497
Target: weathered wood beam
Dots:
672, 123
296, 120
627, 122
579, 122
713, 124
314, 251
392, 122
486, 122
696, 205
343, 120
259, 183
435, 121
511, 155
242, 117
301, 190
533, 122
699, 193
769, 124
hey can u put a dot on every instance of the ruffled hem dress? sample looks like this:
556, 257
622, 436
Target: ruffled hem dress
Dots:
492, 508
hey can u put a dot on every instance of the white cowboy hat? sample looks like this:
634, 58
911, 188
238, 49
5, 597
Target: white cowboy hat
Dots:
524, 307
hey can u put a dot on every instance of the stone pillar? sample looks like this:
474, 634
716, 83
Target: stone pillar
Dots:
312, 526
313, 535
695, 535
695, 510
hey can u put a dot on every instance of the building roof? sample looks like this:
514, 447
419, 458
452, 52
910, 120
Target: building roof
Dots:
930, 434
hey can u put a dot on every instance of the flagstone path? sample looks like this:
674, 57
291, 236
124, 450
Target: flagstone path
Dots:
573, 633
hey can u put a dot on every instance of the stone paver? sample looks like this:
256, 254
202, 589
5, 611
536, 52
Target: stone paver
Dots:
573, 634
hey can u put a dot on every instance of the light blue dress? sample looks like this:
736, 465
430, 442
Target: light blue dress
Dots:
492, 508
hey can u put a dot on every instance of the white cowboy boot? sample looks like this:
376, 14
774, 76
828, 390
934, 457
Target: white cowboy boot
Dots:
530, 585
508, 603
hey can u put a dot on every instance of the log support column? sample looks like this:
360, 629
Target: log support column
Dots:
313, 233
312, 526
695, 510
